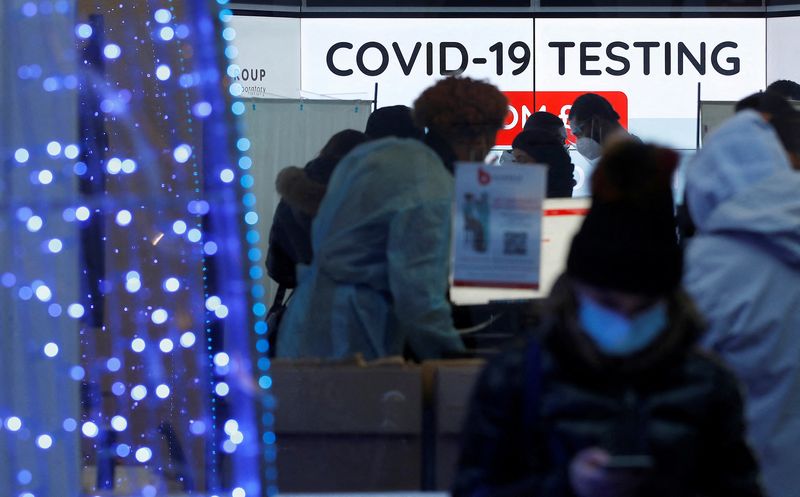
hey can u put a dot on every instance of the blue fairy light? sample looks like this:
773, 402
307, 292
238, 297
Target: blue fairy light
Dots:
172, 284
159, 316
182, 153
138, 392
119, 423
143, 454
13, 423
182, 31
163, 72
202, 109
129, 166
69, 425
112, 51
194, 235
197, 427
34, 224
210, 248
83, 31
222, 389
118, 388
21, 155
113, 364
45, 177
77, 373
55, 245
90, 429
43, 293
166, 345
179, 227
71, 151
114, 165
166, 33
187, 339
51, 349
44, 441
24, 477
75, 310
54, 148
138, 345
162, 391
162, 16
226, 175
82, 213
124, 217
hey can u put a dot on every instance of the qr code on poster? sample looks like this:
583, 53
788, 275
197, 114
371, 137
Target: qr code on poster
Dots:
515, 243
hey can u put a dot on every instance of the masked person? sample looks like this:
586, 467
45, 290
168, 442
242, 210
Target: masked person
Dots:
542, 142
377, 285
743, 270
595, 124
609, 397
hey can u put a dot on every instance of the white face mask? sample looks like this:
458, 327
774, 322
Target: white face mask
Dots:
616, 334
589, 148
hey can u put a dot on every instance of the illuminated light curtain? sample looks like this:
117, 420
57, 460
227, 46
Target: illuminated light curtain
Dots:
130, 276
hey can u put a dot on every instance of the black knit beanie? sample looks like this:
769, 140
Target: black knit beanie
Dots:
395, 121
628, 241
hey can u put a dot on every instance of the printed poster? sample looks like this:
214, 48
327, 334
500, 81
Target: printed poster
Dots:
497, 235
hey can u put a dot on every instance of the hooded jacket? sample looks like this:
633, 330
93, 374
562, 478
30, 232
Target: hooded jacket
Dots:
540, 403
743, 270
381, 244
301, 192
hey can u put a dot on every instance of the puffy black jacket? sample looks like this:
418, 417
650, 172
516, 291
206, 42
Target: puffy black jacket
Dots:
540, 403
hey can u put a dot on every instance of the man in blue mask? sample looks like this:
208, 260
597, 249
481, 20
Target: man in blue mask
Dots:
609, 398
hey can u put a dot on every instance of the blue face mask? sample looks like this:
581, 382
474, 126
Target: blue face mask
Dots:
619, 335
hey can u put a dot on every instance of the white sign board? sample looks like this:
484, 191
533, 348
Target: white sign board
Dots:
498, 225
562, 219
267, 61
782, 39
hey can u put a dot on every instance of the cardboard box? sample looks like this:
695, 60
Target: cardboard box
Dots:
348, 428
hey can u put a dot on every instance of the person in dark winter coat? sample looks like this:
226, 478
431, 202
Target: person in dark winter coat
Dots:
543, 146
609, 398
301, 192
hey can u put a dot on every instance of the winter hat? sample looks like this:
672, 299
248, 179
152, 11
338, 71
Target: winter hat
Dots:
546, 128
395, 120
628, 241
591, 105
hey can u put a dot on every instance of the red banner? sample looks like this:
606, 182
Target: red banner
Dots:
521, 104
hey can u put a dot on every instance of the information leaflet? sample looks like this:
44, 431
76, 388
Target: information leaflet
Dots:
498, 225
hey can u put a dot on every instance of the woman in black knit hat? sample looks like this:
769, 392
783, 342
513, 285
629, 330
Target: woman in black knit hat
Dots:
609, 397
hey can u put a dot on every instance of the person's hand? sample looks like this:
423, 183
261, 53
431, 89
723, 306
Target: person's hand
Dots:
590, 477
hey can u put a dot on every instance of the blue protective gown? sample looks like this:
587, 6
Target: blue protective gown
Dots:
743, 270
378, 279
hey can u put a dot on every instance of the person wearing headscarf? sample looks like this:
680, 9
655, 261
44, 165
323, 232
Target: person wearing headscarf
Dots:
743, 270
609, 397
377, 285
542, 142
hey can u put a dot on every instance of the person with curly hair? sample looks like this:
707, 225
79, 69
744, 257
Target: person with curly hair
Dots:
377, 284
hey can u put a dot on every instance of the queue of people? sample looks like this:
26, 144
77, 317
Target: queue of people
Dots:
660, 367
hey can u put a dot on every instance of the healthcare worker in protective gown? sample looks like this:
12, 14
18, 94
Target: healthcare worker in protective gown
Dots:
743, 271
377, 285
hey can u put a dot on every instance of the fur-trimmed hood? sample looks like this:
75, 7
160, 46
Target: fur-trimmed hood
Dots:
299, 191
